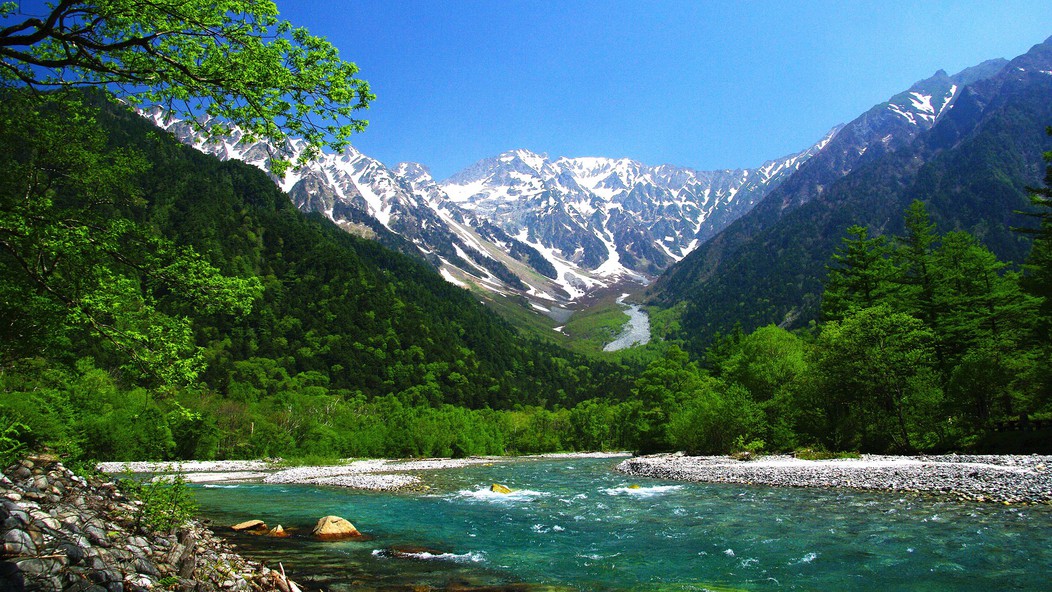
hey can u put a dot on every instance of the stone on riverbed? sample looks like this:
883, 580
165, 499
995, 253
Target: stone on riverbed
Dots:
498, 488
335, 528
250, 525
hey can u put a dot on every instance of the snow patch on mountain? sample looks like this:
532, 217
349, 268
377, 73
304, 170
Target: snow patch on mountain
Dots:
554, 230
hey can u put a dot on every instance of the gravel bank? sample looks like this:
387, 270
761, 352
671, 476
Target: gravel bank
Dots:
375, 475
1009, 479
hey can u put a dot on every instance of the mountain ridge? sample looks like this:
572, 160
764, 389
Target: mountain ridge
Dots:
972, 166
520, 223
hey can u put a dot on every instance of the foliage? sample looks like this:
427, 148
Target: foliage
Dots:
73, 269
167, 502
768, 267
875, 369
233, 60
11, 434
860, 270
813, 454
1038, 279
190, 311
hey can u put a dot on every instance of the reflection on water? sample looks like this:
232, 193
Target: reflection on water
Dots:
575, 523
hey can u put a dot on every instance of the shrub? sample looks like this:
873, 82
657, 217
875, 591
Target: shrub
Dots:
167, 502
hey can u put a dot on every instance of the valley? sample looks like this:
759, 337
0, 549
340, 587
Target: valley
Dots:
832, 369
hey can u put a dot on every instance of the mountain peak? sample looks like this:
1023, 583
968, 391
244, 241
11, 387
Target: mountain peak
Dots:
979, 72
413, 171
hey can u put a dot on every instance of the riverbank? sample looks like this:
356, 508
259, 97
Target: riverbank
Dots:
63, 532
1012, 479
371, 475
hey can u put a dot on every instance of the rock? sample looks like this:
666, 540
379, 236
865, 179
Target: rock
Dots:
18, 542
498, 488
250, 525
278, 532
634, 486
334, 527
84, 536
74, 554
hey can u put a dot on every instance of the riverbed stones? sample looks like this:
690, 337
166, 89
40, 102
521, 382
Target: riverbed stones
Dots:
334, 528
61, 532
1011, 479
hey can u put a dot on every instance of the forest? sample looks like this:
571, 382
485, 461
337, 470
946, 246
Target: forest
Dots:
158, 304
241, 328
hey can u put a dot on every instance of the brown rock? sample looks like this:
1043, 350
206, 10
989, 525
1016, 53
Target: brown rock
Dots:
334, 527
278, 532
250, 525
498, 488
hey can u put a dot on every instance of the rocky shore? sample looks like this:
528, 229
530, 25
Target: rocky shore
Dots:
63, 532
1011, 479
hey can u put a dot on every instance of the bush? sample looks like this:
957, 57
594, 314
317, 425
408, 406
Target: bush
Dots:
11, 445
813, 454
167, 502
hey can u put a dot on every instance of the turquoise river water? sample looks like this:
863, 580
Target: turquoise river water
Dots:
575, 523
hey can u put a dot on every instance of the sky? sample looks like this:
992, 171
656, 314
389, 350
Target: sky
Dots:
703, 84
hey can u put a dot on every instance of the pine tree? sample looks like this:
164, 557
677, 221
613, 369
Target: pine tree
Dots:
859, 276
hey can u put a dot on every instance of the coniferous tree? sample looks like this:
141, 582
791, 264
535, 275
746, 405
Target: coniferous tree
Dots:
858, 276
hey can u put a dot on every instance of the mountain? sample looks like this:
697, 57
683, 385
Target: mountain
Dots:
602, 219
338, 311
967, 144
520, 223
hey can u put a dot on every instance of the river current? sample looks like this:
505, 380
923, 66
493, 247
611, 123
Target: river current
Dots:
575, 523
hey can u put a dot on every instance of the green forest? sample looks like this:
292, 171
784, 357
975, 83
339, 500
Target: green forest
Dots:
158, 304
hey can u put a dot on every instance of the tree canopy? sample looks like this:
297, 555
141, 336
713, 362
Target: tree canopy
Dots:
233, 60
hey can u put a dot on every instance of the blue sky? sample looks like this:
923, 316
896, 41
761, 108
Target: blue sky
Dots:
702, 84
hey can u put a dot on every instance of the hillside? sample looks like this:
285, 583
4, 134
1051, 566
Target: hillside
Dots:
970, 161
548, 231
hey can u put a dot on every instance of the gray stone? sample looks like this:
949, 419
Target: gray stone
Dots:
35, 567
40, 482
144, 566
97, 535
73, 553
18, 542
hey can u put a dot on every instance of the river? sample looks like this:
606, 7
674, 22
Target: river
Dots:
576, 523
636, 331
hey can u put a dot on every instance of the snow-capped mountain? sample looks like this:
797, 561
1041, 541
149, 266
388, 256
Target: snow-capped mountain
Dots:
521, 223
600, 218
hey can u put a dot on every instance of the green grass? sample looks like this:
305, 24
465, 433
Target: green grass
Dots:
312, 460
812, 454
597, 326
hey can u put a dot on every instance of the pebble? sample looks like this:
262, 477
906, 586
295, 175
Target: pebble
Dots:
81, 536
1008, 479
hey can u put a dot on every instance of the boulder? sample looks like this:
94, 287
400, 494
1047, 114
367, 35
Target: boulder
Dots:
498, 488
278, 532
333, 528
250, 525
